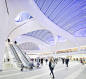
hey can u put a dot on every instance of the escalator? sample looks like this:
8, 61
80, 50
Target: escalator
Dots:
28, 59
24, 60
31, 63
18, 61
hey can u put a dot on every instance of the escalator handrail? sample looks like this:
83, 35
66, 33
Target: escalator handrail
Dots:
27, 63
22, 53
14, 52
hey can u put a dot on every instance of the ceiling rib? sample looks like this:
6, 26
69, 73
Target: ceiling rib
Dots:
73, 18
49, 7
78, 30
43, 4
76, 24
62, 10
71, 12
45, 34
56, 8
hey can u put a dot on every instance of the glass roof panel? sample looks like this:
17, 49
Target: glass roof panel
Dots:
74, 13
46, 5
64, 13
60, 7
67, 10
40, 3
53, 7
80, 33
34, 33
74, 21
38, 33
22, 16
77, 27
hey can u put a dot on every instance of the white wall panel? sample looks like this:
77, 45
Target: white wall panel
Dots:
32, 51
65, 45
3, 29
82, 41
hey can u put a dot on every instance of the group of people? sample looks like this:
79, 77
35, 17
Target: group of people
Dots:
83, 60
52, 63
66, 61
41, 60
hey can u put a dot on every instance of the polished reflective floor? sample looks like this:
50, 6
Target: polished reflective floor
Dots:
75, 71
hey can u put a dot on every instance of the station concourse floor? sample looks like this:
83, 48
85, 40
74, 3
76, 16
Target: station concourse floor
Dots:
75, 70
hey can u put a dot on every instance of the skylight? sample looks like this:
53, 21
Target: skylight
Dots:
61, 39
22, 16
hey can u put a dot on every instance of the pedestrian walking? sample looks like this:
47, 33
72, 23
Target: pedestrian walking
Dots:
51, 66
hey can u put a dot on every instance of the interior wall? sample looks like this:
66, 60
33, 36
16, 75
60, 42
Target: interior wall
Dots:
6, 50
82, 41
79, 55
33, 56
47, 49
3, 29
32, 51
65, 45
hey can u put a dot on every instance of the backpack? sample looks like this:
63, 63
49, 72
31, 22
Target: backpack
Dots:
52, 64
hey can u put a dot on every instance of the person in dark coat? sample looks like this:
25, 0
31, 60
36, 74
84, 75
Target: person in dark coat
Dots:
42, 61
22, 67
46, 60
67, 61
51, 68
63, 60
39, 60
35, 59
15, 42
8, 40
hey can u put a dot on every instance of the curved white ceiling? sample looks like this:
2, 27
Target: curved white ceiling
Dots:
69, 15
63, 17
